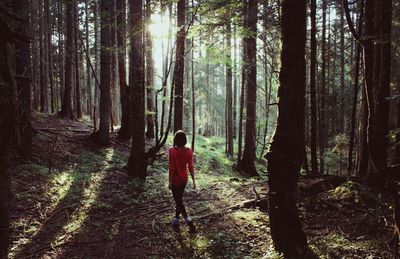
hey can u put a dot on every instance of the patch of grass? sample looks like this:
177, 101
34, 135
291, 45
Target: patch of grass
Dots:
337, 245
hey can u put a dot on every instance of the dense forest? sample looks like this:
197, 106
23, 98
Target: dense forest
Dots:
291, 108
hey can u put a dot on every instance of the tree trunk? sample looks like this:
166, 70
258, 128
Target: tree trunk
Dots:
350, 164
49, 55
235, 84
105, 71
66, 110
363, 155
313, 89
24, 78
8, 95
44, 70
137, 164
124, 132
77, 68
249, 152
229, 119
96, 62
322, 119
377, 53
343, 98
61, 60
193, 98
114, 118
179, 66
149, 75
241, 104
287, 149
88, 73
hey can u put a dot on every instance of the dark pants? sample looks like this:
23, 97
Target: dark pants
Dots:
177, 192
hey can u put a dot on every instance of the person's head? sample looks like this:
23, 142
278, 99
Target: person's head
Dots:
180, 138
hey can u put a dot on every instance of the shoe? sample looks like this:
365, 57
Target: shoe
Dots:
188, 220
175, 222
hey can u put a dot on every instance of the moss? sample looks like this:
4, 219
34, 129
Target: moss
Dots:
353, 192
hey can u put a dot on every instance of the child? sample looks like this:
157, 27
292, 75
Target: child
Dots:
180, 159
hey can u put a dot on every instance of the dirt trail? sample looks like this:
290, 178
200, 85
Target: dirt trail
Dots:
75, 200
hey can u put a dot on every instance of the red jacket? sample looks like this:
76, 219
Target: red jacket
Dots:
180, 159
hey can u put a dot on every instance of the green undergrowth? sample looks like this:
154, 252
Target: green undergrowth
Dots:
91, 196
337, 245
354, 193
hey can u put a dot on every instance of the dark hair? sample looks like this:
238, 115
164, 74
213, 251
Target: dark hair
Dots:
180, 138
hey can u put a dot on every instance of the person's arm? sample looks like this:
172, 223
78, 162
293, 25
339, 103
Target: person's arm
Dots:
191, 169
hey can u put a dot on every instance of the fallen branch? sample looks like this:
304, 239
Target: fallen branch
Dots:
54, 129
136, 242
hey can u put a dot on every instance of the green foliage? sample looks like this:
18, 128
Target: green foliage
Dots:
351, 192
341, 143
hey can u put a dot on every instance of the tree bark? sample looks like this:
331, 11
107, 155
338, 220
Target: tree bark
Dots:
77, 68
66, 110
105, 71
24, 78
350, 165
61, 60
137, 164
322, 119
44, 70
249, 153
242, 89
49, 55
287, 149
149, 75
313, 89
229, 120
88, 73
124, 132
342, 126
193, 98
179, 66
8, 96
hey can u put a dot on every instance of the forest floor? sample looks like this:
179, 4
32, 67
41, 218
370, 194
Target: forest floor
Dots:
75, 200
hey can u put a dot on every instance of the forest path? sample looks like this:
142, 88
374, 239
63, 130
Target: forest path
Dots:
75, 200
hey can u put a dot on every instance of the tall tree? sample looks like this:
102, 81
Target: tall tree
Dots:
88, 67
377, 68
76, 63
44, 55
137, 164
179, 66
322, 114
286, 153
350, 166
24, 78
8, 95
242, 87
249, 153
194, 97
66, 110
313, 88
61, 60
49, 33
105, 73
124, 132
342, 75
229, 112
149, 75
